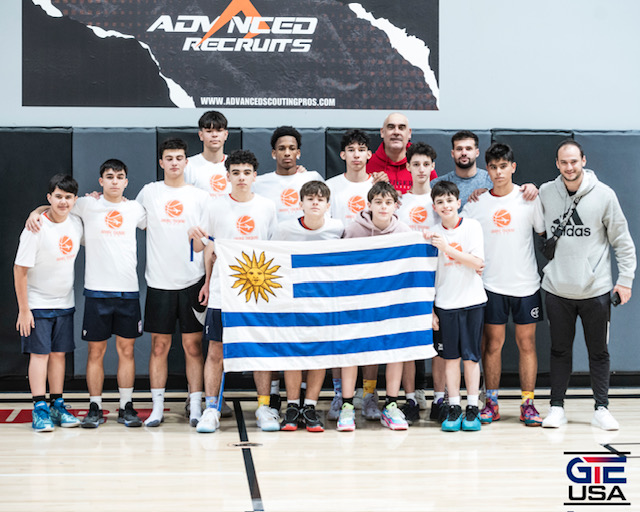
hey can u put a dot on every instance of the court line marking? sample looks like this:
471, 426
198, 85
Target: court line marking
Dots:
144, 473
254, 488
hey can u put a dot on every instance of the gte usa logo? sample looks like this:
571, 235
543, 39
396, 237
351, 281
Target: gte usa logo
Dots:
596, 479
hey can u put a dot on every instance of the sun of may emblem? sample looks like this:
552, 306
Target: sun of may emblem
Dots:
255, 276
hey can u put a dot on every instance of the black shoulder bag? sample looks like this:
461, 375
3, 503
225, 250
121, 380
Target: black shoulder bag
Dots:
549, 245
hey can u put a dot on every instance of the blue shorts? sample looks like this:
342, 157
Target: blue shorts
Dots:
460, 333
524, 310
104, 316
53, 332
164, 308
213, 325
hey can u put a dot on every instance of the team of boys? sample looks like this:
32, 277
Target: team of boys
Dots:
486, 269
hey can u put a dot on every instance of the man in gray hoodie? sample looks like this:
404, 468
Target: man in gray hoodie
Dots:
578, 278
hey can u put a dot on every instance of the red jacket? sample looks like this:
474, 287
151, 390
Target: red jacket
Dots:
399, 175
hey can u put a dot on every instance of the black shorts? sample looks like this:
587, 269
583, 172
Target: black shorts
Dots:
525, 310
51, 334
213, 325
460, 333
104, 316
165, 307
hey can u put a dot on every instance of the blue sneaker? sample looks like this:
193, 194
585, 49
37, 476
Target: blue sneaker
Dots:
471, 421
61, 417
453, 421
41, 418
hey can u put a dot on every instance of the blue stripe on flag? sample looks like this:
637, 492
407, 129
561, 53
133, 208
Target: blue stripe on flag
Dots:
249, 319
368, 286
328, 348
337, 259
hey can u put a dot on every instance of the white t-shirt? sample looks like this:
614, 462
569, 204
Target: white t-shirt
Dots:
294, 231
171, 211
417, 211
207, 176
458, 286
348, 199
507, 223
231, 219
110, 243
284, 191
50, 255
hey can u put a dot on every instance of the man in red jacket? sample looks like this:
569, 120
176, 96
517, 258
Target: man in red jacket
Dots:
389, 162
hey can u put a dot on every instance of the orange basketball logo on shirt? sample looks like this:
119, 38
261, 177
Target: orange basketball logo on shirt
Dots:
502, 218
245, 224
65, 244
456, 246
289, 197
356, 204
218, 182
113, 219
418, 214
173, 208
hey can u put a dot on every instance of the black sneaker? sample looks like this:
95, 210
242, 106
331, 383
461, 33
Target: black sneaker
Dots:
291, 417
436, 410
411, 411
311, 420
93, 418
471, 420
275, 402
129, 416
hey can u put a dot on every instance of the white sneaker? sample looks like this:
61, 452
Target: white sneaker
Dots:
555, 418
358, 398
267, 418
421, 399
209, 422
370, 409
603, 419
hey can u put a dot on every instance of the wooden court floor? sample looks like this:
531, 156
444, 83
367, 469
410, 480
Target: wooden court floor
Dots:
505, 467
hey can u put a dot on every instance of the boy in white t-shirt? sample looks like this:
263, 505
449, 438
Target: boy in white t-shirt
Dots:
206, 170
241, 215
173, 278
459, 303
511, 279
313, 225
112, 303
44, 275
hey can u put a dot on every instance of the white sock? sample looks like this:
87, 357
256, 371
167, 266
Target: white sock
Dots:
196, 405
295, 402
308, 401
126, 396
96, 400
472, 400
454, 400
275, 387
411, 396
438, 395
157, 396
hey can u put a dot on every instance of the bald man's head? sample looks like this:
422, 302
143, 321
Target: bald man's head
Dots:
395, 133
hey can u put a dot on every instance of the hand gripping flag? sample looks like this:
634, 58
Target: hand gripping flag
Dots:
326, 304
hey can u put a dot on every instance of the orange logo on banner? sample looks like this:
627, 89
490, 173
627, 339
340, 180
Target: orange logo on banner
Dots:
65, 244
356, 204
289, 197
457, 247
113, 219
173, 208
502, 218
245, 225
218, 182
418, 214
233, 9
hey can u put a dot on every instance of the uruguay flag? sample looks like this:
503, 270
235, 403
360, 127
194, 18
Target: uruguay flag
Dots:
326, 304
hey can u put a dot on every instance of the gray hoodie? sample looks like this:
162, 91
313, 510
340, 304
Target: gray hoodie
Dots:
581, 268
362, 225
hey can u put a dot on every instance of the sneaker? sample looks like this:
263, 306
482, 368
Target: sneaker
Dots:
490, 412
393, 418
291, 418
555, 418
370, 409
436, 410
187, 407
209, 422
411, 411
93, 418
346, 419
275, 402
41, 418
358, 399
603, 419
421, 398
453, 421
471, 421
334, 409
61, 417
309, 417
226, 411
267, 418
129, 416
529, 414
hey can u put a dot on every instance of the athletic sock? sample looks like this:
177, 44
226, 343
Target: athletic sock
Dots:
264, 400
438, 395
472, 400
312, 403
275, 387
39, 398
294, 402
157, 396
96, 400
211, 402
126, 396
411, 396
492, 395
337, 386
369, 386
454, 400
53, 397
347, 401
391, 400
527, 395
195, 411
